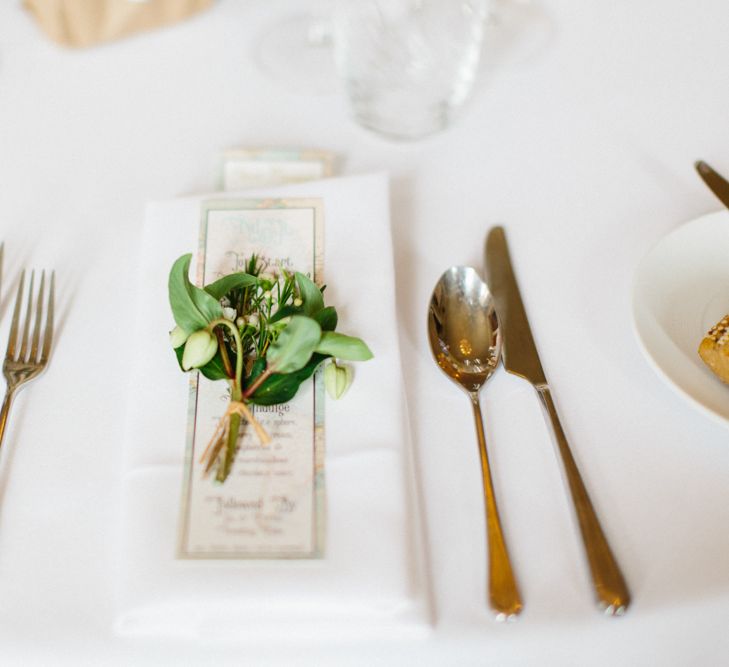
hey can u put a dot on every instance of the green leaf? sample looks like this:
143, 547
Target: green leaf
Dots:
206, 304
213, 370
281, 388
327, 318
294, 345
178, 354
310, 294
192, 307
343, 347
223, 285
258, 366
186, 313
286, 311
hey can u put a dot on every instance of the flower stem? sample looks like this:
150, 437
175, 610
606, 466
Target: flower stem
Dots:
230, 450
224, 354
238, 379
257, 383
236, 394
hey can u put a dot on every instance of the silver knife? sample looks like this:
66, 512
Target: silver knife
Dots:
717, 184
520, 357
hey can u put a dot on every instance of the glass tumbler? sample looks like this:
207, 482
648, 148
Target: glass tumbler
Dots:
407, 66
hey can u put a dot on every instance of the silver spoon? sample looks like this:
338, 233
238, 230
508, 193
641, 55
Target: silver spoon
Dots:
465, 338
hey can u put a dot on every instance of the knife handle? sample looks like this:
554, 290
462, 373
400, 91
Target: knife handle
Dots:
610, 587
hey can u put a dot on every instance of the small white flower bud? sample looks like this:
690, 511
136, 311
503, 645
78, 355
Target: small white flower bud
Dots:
178, 337
253, 320
337, 379
240, 322
229, 313
297, 302
200, 348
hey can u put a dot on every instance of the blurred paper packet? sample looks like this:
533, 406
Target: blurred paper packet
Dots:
263, 167
87, 22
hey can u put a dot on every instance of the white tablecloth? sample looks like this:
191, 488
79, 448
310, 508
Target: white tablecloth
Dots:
584, 151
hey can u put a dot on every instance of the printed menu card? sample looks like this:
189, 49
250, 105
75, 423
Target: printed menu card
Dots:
272, 504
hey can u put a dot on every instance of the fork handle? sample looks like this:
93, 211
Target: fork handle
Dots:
610, 587
4, 412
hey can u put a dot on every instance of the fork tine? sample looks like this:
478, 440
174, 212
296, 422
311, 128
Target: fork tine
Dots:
10, 354
48, 337
38, 317
26, 327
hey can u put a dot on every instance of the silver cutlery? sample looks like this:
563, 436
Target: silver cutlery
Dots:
27, 354
521, 358
465, 338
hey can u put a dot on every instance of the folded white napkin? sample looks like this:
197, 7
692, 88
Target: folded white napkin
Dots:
371, 581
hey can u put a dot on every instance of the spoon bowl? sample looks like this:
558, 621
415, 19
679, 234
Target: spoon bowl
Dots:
463, 328
465, 338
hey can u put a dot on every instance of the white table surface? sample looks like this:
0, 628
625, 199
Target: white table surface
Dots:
584, 151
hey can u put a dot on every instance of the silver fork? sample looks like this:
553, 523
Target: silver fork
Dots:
27, 356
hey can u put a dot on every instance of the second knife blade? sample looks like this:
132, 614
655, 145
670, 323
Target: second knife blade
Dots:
716, 182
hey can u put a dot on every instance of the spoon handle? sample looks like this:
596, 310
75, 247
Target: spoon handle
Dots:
610, 587
504, 595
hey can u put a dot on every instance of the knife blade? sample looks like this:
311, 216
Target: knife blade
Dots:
717, 183
519, 352
521, 358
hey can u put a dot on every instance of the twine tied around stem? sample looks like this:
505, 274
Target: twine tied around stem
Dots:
221, 435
